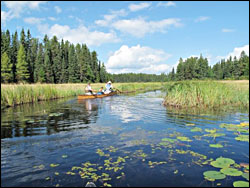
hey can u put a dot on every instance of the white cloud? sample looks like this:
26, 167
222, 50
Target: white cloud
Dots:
136, 7
202, 19
138, 59
16, 8
33, 20
166, 4
80, 34
4, 16
139, 27
108, 18
58, 9
52, 18
236, 52
227, 30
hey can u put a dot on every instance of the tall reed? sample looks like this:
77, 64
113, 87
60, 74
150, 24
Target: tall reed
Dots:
205, 94
13, 94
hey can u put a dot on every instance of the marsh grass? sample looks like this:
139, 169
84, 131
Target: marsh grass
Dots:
14, 94
206, 94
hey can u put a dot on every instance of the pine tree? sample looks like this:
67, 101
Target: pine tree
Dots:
103, 74
22, 66
23, 41
180, 70
73, 67
6, 68
65, 73
39, 69
48, 61
56, 59
14, 50
94, 63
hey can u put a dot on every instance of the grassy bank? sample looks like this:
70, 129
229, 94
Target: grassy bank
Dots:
207, 94
14, 94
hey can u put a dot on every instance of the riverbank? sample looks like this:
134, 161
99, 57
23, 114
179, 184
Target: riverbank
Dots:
207, 94
15, 94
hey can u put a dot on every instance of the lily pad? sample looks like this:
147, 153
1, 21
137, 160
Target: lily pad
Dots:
215, 145
55, 114
241, 184
242, 138
190, 124
211, 130
231, 172
196, 129
222, 162
214, 175
183, 138
168, 140
246, 176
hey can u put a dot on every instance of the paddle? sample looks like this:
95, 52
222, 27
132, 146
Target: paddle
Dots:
118, 90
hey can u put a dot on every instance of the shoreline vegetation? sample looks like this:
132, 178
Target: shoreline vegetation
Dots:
180, 94
16, 94
207, 94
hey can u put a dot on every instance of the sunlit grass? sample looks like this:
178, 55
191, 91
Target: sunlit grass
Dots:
13, 94
206, 94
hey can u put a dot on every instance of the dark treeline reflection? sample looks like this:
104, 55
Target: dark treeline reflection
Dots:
48, 117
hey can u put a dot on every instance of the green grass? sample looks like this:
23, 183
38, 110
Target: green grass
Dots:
201, 94
206, 94
14, 94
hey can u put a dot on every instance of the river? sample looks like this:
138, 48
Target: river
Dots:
124, 140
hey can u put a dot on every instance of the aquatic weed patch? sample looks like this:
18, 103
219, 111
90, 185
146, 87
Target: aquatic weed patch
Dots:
205, 94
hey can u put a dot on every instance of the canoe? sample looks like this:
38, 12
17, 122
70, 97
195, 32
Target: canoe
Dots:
80, 97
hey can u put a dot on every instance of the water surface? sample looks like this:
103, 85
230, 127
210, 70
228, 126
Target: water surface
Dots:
122, 140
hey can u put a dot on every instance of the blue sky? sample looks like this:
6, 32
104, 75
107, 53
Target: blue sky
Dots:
137, 36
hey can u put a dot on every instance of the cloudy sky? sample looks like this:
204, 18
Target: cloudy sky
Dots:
131, 36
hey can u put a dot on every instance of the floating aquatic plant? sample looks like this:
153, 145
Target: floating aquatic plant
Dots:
246, 176
168, 140
214, 175
241, 184
243, 138
215, 145
196, 129
231, 172
222, 162
183, 138
54, 165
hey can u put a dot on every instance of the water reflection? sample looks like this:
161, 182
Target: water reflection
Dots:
48, 117
137, 128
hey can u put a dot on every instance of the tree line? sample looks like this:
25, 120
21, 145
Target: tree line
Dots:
198, 68
195, 68
50, 61
29, 61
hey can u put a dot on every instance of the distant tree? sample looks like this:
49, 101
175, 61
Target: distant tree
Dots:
39, 70
74, 72
22, 66
14, 50
6, 68
180, 70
